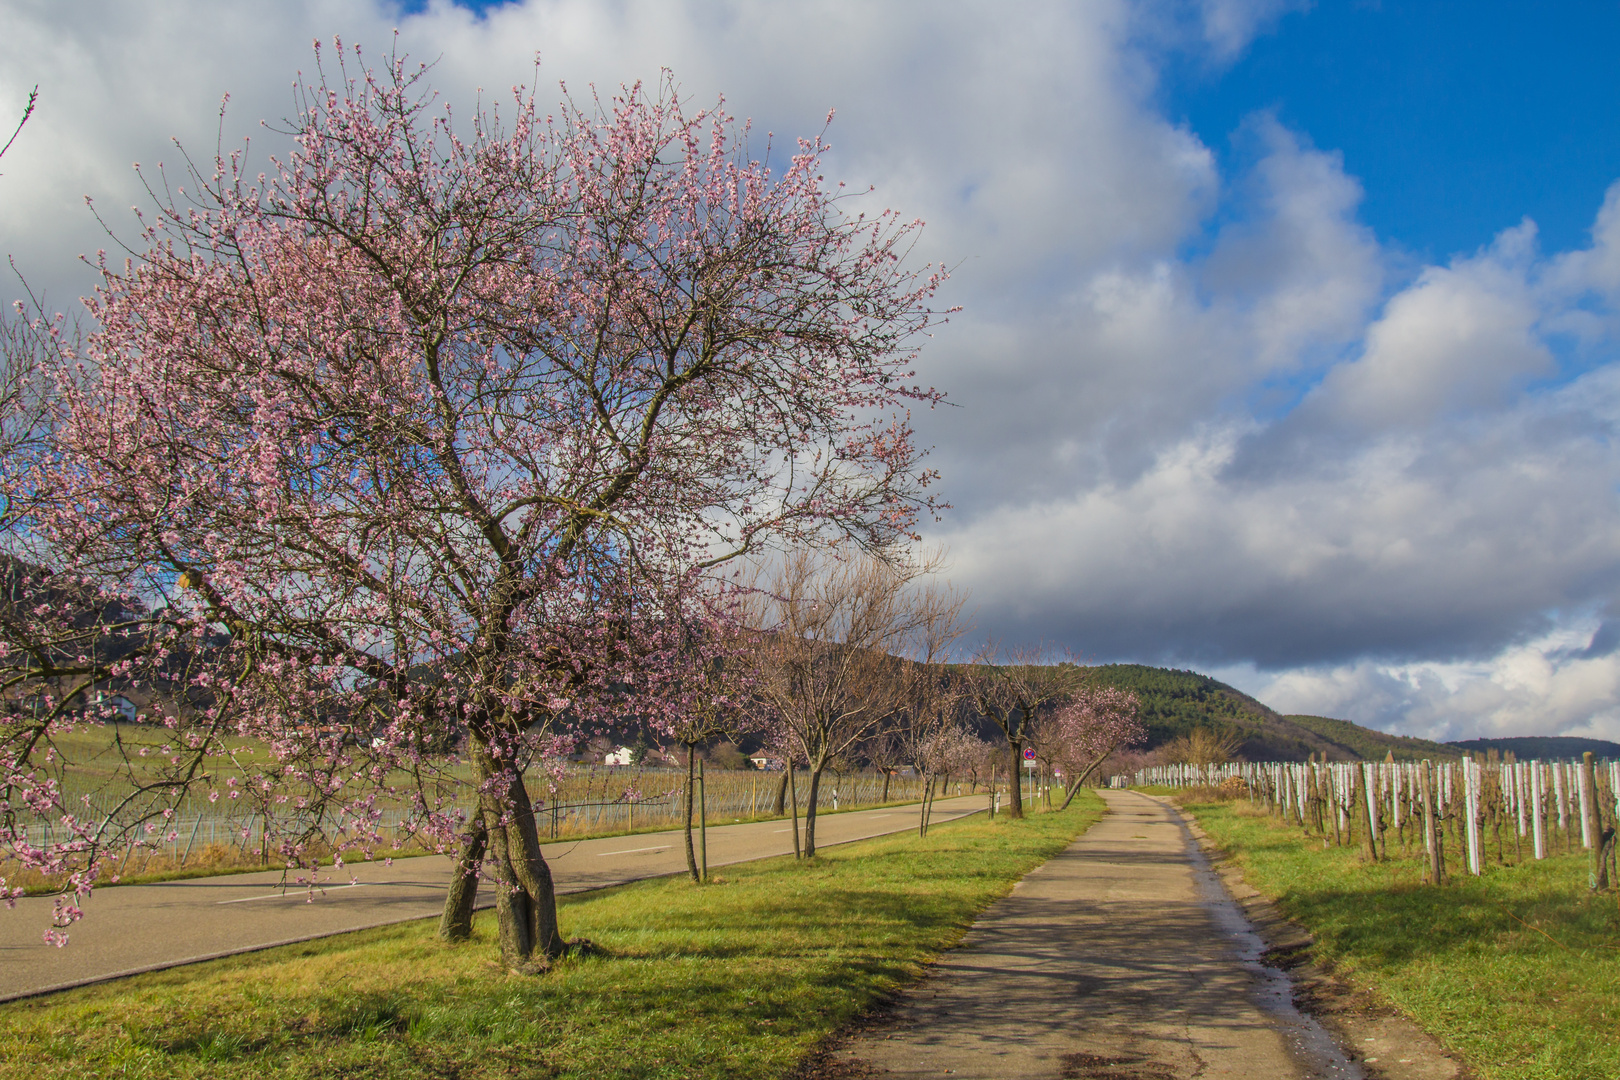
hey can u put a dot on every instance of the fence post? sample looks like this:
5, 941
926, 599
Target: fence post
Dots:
1538, 817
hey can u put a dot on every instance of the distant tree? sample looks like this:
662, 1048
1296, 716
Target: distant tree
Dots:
1011, 691
886, 753
1081, 732
936, 752
1201, 746
838, 639
702, 689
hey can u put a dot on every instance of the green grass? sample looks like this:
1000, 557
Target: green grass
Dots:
738, 978
1518, 970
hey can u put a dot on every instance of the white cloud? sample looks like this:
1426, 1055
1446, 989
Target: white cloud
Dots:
1543, 687
1229, 25
1461, 337
1399, 495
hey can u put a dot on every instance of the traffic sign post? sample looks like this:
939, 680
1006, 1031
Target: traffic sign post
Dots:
1029, 757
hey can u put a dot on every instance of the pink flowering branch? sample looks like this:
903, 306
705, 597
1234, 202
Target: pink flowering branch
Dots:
411, 440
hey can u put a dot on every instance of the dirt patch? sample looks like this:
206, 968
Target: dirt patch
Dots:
830, 1064
1095, 1067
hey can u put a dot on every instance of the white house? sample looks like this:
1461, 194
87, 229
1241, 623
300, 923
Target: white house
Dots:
621, 756
117, 703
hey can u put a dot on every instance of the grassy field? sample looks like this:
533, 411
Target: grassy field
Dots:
1518, 970
738, 978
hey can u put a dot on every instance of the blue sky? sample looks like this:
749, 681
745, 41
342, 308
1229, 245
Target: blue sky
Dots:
1458, 118
1256, 370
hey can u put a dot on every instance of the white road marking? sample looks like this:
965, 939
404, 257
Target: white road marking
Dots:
299, 891
634, 850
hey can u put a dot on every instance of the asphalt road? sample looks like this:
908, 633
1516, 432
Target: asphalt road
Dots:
133, 928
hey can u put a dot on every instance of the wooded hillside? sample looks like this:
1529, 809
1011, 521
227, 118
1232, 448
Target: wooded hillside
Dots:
1174, 702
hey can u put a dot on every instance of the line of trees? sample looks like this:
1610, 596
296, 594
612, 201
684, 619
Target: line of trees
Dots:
435, 449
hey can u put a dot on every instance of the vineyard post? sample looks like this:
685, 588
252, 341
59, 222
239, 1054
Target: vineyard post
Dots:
1425, 787
1557, 800
1397, 820
1585, 798
1538, 820
1369, 840
1518, 808
1471, 793
1598, 877
1336, 793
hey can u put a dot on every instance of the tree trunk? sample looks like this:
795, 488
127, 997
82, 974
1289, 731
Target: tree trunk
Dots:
1599, 874
1081, 779
922, 807
887, 776
1015, 788
691, 857
810, 811
525, 899
782, 791
793, 784
456, 922
1431, 835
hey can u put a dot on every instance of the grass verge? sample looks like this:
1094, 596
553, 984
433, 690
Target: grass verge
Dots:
737, 978
1518, 971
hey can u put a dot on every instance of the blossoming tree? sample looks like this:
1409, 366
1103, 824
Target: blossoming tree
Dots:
1077, 736
413, 437
1012, 691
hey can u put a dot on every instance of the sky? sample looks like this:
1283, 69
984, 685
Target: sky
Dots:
1289, 342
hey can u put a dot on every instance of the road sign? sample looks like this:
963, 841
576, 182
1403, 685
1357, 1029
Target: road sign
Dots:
1029, 753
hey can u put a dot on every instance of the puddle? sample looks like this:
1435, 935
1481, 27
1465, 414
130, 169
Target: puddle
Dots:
1309, 1041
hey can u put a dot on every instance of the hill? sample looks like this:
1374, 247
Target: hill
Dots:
1174, 702
1370, 745
1544, 747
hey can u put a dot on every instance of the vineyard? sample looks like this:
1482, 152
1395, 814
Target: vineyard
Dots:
1463, 814
591, 800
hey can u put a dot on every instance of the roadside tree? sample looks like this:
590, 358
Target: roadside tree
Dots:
843, 640
1079, 734
699, 690
411, 437
1011, 692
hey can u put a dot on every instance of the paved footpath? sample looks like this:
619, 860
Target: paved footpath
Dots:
134, 928
1121, 959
